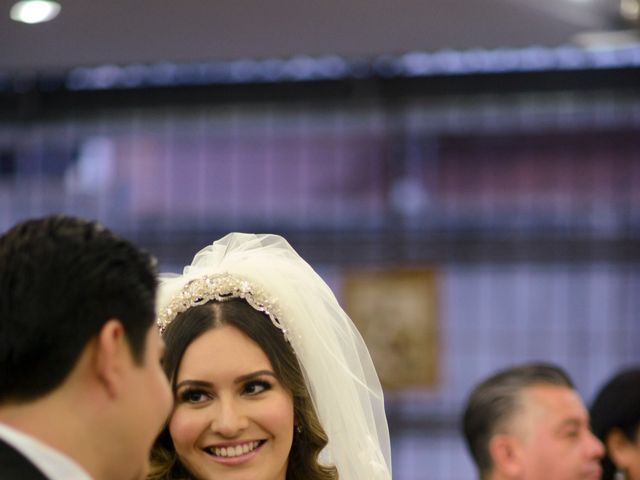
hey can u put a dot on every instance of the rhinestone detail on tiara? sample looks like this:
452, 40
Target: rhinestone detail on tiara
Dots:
221, 287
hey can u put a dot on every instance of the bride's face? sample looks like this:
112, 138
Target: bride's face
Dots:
233, 418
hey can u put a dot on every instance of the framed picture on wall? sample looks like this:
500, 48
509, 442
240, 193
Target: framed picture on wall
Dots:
396, 313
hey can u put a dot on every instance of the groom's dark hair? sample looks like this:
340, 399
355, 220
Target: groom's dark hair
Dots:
61, 279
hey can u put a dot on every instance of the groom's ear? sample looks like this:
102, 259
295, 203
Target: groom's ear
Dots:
111, 356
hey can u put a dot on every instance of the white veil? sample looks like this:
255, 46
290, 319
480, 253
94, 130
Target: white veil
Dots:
338, 370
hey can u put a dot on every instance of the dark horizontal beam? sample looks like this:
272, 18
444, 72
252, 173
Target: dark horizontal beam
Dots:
51, 99
376, 248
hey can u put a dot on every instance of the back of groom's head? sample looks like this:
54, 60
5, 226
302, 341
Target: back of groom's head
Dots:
61, 279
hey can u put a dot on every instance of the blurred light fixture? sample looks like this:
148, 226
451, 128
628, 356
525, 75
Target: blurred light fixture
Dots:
630, 10
35, 11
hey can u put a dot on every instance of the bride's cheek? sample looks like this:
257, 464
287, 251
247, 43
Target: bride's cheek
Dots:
183, 427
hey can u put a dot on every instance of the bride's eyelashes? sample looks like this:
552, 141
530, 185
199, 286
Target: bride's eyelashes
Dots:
193, 396
255, 387
197, 395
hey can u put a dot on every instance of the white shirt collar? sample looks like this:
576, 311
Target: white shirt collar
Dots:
54, 464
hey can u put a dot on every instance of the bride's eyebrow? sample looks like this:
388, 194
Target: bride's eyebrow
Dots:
193, 383
252, 375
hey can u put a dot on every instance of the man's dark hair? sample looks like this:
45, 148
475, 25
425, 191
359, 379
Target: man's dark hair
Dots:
61, 279
617, 406
494, 402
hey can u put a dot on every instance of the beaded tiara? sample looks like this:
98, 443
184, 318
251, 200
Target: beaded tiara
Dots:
221, 287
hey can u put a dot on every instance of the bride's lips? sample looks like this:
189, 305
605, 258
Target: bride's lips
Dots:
234, 453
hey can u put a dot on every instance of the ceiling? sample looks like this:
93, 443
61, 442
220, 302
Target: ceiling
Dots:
91, 32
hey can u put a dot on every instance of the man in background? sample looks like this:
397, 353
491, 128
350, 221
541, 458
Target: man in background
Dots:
529, 423
82, 392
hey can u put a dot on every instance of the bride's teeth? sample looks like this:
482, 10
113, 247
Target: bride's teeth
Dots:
234, 451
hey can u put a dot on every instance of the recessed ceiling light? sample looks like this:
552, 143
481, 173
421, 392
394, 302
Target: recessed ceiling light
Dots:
35, 11
630, 10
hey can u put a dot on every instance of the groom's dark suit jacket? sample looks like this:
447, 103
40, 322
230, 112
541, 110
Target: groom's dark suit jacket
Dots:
13, 466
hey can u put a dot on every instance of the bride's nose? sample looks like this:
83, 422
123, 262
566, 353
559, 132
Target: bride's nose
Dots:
229, 418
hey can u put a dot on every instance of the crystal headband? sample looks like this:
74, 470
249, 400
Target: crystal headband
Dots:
221, 287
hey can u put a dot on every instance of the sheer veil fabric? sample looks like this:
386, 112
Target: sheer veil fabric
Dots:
338, 370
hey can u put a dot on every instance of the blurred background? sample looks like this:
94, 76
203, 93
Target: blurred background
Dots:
465, 174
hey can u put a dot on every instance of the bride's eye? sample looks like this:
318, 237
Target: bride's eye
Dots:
256, 386
192, 396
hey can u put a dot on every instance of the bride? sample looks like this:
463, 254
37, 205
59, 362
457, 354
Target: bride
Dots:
271, 379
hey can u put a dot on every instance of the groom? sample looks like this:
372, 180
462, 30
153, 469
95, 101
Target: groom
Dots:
82, 392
